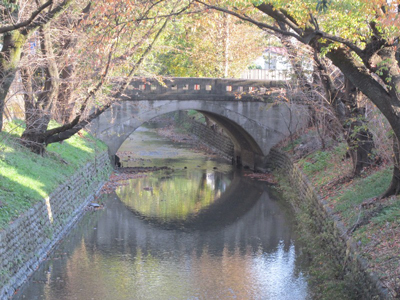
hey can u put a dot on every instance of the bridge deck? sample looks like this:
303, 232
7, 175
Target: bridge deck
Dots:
203, 89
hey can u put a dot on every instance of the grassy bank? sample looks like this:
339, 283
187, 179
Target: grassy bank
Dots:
372, 223
26, 178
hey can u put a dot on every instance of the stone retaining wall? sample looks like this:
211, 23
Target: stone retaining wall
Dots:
219, 142
339, 244
28, 239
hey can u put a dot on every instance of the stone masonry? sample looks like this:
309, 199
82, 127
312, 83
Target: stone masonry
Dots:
28, 239
221, 143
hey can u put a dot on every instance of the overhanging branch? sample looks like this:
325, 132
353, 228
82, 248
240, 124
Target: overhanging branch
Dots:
66, 131
261, 25
27, 22
52, 14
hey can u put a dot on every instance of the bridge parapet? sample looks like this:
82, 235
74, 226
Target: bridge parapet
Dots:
214, 89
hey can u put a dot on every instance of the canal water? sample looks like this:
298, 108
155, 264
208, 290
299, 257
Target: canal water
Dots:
196, 230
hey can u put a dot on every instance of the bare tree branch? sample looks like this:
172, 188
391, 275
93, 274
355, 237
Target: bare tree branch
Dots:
27, 22
66, 131
304, 36
47, 17
139, 62
261, 25
349, 44
92, 92
280, 16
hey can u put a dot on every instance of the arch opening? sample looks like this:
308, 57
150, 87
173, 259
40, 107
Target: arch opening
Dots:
254, 127
246, 152
246, 149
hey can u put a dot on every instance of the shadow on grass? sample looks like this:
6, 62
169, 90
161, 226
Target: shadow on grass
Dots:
15, 199
27, 178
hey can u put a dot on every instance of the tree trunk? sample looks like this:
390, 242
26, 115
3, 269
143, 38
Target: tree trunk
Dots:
13, 42
360, 141
34, 141
10, 56
344, 106
38, 113
387, 102
394, 187
65, 107
359, 138
32, 137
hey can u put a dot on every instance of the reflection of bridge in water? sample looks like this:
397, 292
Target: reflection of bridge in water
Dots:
245, 216
250, 112
238, 197
125, 257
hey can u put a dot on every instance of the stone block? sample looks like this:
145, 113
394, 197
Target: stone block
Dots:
26, 242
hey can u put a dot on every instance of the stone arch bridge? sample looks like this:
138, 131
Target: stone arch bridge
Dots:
249, 111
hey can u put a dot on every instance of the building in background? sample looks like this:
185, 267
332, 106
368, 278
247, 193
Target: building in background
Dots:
271, 65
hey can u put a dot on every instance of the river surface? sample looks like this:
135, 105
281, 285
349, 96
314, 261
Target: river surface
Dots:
199, 230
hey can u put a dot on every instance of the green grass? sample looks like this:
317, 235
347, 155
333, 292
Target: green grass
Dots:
27, 178
323, 167
321, 160
379, 223
319, 166
362, 189
389, 214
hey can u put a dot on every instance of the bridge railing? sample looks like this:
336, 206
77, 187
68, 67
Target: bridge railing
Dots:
201, 89
266, 74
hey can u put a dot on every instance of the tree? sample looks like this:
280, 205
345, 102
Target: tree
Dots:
344, 102
40, 73
14, 36
39, 102
339, 97
104, 48
207, 43
360, 38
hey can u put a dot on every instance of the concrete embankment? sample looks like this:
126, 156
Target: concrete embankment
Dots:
26, 242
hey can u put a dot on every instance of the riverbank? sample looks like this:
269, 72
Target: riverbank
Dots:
41, 197
368, 226
28, 178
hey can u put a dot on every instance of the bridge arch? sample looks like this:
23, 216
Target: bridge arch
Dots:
246, 149
254, 127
